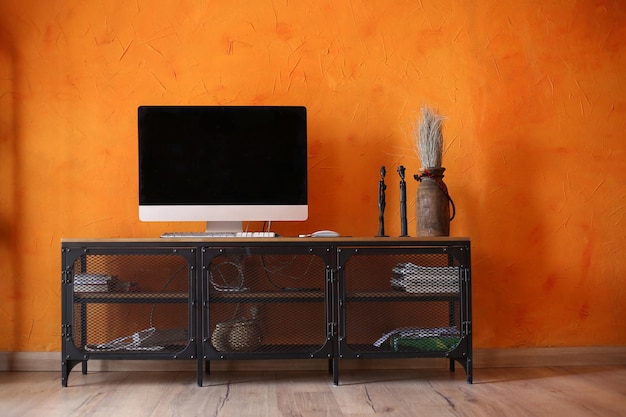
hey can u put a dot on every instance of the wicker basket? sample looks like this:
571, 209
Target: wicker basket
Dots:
237, 336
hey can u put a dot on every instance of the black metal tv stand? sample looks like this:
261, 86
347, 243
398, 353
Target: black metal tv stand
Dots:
276, 298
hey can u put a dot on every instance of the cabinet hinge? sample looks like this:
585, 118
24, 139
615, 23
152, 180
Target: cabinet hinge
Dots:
332, 326
467, 327
66, 330
465, 275
65, 277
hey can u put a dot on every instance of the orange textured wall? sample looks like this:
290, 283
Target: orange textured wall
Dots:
534, 95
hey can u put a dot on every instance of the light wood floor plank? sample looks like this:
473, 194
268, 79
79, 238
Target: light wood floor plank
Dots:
543, 391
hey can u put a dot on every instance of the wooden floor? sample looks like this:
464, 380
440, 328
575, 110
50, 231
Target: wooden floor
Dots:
553, 392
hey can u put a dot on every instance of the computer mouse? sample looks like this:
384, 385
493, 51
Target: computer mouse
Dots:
325, 233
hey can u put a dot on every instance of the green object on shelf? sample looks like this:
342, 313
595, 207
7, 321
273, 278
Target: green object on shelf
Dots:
424, 344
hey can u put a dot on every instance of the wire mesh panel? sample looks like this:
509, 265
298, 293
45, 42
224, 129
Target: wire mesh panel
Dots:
262, 302
131, 303
400, 301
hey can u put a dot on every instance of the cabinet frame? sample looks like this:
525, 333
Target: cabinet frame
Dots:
322, 295
73, 303
459, 303
335, 295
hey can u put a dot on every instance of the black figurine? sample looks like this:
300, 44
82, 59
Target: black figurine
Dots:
403, 222
381, 202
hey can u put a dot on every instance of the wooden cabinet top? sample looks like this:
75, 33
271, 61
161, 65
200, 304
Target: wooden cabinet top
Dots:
274, 241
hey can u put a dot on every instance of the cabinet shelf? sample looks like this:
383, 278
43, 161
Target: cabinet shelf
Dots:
131, 297
279, 348
377, 295
267, 297
162, 349
371, 351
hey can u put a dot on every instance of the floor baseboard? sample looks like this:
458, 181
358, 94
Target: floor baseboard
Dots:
483, 358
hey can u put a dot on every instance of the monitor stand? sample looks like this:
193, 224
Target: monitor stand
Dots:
223, 226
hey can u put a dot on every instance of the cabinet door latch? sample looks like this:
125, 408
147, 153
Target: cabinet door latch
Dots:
330, 275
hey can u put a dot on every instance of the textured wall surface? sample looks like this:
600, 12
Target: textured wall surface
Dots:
534, 94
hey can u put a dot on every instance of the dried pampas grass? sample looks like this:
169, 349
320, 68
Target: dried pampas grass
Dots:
429, 138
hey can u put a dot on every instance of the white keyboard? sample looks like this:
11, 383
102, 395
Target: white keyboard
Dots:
216, 234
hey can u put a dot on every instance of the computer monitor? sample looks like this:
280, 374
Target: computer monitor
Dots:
223, 165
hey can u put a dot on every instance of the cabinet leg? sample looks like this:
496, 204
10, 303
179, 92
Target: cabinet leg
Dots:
65, 374
335, 365
84, 367
199, 372
66, 368
467, 366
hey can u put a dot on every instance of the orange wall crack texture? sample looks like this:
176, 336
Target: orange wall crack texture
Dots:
534, 96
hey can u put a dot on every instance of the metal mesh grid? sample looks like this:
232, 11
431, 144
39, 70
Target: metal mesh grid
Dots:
266, 303
402, 302
131, 303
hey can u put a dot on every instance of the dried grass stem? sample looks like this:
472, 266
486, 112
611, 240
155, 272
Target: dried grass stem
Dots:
430, 138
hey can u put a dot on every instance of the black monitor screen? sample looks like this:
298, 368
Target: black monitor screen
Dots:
222, 155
